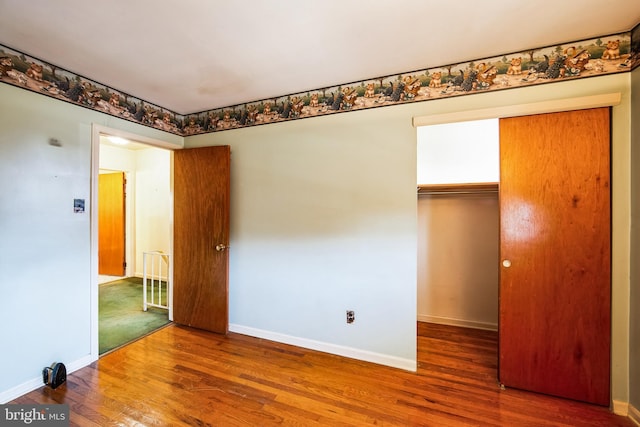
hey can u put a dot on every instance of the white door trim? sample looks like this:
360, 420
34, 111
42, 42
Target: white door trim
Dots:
552, 106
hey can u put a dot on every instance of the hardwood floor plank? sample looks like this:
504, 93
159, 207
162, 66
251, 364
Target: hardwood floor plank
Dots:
181, 376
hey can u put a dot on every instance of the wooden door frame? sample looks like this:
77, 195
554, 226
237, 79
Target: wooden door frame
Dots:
558, 105
96, 131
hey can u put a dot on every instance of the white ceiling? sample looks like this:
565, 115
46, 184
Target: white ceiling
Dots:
195, 55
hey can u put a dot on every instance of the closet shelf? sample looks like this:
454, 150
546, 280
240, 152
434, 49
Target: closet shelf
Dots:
465, 188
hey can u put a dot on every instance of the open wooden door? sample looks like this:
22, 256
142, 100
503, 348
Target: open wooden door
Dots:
555, 234
111, 224
201, 238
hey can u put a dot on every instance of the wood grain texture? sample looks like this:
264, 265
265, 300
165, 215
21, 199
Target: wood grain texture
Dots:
201, 221
111, 224
182, 376
555, 305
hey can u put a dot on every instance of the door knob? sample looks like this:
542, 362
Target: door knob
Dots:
506, 263
221, 247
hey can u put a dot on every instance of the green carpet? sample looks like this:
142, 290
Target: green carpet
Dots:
121, 318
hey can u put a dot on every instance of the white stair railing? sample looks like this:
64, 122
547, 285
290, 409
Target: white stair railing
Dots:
155, 275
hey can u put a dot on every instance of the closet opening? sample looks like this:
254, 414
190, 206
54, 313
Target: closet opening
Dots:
458, 170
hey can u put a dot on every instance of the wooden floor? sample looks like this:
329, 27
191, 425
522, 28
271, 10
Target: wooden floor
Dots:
181, 376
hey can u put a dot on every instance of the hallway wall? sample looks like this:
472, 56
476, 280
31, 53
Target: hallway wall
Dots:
148, 200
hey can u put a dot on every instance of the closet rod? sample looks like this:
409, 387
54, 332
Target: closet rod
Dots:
449, 193
467, 188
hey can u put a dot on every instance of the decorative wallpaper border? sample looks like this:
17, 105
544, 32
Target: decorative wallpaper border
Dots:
27, 72
585, 58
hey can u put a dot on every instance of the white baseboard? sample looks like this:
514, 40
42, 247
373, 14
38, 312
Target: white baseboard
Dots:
634, 414
32, 384
457, 322
350, 352
620, 407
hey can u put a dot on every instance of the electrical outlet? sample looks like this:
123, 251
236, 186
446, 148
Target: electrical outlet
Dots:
351, 316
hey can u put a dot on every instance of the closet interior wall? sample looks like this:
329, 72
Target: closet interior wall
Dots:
458, 242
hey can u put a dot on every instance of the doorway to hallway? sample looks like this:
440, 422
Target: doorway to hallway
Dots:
143, 208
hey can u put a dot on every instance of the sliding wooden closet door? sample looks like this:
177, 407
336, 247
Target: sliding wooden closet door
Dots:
555, 290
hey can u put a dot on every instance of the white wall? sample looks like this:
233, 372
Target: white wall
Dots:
46, 280
117, 158
458, 246
44, 245
323, 220
148, 200
462, 152
153, 203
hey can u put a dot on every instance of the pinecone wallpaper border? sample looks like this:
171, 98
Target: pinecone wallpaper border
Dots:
581, 59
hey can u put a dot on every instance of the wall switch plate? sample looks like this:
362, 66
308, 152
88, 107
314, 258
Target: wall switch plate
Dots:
351, 316
78, 205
